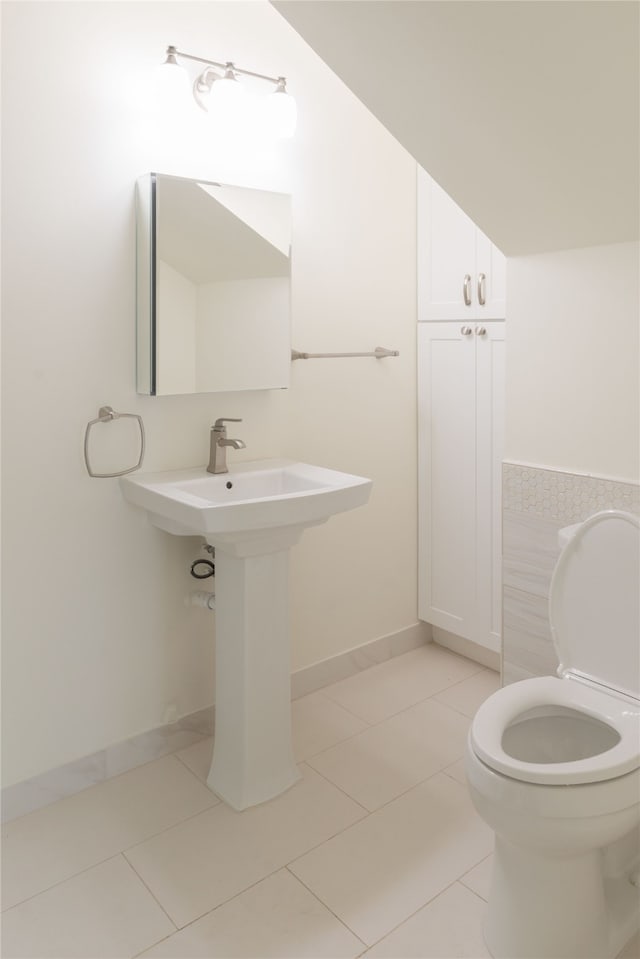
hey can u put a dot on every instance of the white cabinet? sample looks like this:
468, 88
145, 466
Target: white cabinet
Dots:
461, 274
461, 417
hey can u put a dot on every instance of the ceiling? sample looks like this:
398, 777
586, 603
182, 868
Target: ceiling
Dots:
526, 112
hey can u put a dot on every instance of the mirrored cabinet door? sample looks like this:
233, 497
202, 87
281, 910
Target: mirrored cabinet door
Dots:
213, 287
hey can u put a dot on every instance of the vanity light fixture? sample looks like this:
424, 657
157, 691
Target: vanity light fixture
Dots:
218, 91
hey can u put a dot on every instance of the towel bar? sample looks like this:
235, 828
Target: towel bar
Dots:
105, 415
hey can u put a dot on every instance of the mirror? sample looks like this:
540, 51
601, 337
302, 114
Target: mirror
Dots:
213, 287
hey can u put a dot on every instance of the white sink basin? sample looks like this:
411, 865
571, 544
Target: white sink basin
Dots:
252, 496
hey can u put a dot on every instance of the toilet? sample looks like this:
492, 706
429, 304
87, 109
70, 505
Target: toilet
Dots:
553, 763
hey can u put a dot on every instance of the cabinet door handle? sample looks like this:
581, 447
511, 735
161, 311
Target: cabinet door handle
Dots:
481, 331
466, 330
482, 297
466, 289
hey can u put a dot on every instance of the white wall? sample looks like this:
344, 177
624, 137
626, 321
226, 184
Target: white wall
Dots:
97, 643
573, 371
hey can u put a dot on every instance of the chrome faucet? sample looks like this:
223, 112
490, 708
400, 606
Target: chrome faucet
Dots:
218, 446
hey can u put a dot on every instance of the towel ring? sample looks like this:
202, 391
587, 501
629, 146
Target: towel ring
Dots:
105, 415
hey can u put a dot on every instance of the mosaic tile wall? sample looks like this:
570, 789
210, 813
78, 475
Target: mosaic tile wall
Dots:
536, 503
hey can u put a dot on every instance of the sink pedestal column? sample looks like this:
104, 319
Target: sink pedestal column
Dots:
252, 756
252, 516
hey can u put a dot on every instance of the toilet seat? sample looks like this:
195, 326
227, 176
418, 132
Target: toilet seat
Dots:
510, 702
594, 614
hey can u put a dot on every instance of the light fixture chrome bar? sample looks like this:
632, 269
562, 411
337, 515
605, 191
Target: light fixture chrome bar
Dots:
174, 52
380, 352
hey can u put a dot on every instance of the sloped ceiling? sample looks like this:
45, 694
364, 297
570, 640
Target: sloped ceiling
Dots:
526, 113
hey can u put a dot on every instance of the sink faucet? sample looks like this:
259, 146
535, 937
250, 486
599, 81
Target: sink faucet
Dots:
219, 443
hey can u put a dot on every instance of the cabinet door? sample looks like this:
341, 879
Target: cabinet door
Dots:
461, 274
446, 255
490, 280
447, 469
490, 413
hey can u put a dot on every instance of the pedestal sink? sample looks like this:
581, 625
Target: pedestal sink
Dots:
252, 515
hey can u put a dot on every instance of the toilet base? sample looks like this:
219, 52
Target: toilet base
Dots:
556, 908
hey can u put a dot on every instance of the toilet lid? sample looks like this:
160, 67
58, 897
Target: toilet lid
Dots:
594, 603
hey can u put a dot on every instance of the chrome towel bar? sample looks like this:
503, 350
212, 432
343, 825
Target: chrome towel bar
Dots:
380, 352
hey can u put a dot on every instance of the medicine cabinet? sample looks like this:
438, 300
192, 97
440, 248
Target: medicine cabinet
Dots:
213, 287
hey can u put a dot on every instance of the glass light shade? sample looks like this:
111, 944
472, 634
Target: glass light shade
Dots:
225, 91
227, 103
172, 83
283, 113
256, 121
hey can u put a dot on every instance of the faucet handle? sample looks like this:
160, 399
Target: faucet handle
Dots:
225, 419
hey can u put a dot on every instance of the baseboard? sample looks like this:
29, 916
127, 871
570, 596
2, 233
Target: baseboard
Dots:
82, 773
464, 647
49, 787
327, 671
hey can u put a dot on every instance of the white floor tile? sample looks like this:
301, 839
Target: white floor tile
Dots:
319, 723
197, 758
379, 692
55, 843
456, 771
405, 876
478, 879
374, 875
201, 863
469, 694
103, 912
276, 919
388, 759
449, 927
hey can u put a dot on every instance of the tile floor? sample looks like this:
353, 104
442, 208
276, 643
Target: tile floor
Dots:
376, 852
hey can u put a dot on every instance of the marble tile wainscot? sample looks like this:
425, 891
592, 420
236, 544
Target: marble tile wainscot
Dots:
536, 503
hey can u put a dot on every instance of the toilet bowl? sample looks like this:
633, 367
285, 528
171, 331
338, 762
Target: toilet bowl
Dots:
553, 763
